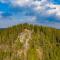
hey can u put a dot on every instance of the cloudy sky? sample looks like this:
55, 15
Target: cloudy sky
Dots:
41, 12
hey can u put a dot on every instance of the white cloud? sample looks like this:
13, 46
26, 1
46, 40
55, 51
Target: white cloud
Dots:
55, 9
47, 8
21, 2
39, 6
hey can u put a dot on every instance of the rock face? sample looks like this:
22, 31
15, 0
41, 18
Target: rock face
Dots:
24, 38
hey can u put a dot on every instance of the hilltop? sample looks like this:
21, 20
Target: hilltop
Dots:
29, 42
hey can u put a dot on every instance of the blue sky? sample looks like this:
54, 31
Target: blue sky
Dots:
41, 12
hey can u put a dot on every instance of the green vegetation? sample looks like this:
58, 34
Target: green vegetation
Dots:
43, 38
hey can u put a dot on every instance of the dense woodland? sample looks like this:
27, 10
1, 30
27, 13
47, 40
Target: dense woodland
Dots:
48, 39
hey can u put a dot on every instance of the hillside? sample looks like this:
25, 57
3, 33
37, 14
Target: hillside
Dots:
29, 42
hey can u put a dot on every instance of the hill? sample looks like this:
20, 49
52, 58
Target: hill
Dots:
29, 42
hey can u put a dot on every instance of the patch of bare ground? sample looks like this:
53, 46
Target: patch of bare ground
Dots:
39, 52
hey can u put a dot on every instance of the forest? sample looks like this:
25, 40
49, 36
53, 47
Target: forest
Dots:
43, 44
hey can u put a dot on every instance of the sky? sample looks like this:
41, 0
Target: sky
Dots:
41, 12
